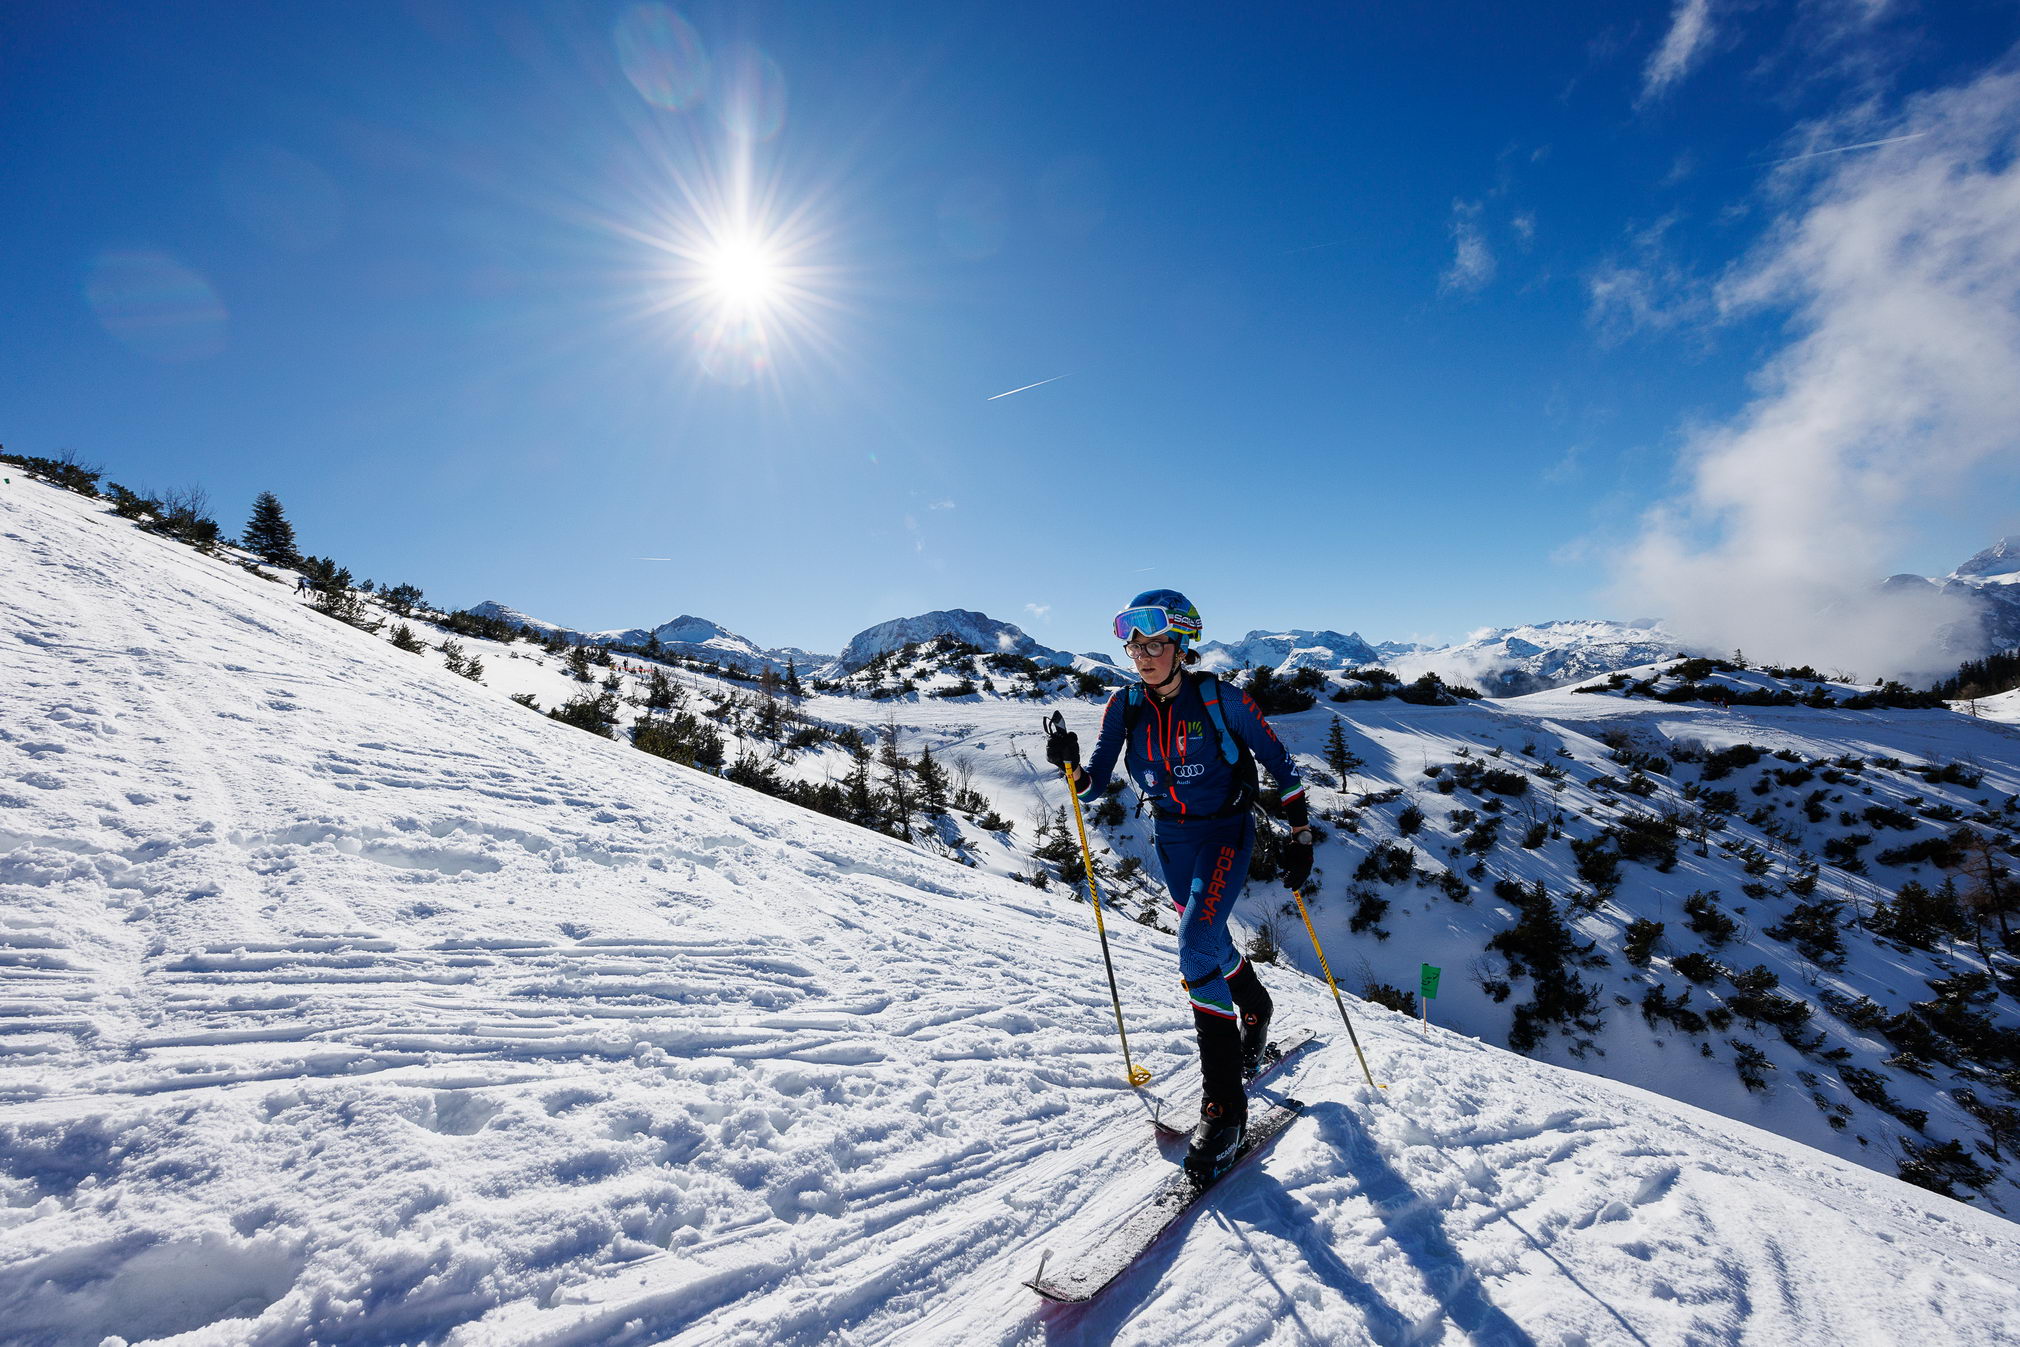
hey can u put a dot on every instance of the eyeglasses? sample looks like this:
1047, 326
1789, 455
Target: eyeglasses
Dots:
1147, 649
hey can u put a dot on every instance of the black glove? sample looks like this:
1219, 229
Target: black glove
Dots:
1297, 860
1062, 748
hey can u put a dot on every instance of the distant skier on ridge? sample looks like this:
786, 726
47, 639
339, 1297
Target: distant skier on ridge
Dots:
1191, 749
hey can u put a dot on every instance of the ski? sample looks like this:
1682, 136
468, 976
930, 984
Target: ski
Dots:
1077, 1279
1175, 1111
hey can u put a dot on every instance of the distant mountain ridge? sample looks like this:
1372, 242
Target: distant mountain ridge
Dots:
1512, 661
1290, 650
687, 635
1988, 584
1503, 662
1499, 661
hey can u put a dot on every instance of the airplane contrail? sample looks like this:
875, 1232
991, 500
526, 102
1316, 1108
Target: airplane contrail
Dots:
1846, 149
1053, 380
652, 558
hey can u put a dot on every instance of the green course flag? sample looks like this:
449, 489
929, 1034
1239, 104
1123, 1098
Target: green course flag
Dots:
1428, 981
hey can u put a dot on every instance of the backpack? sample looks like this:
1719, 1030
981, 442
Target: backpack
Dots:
1247, 785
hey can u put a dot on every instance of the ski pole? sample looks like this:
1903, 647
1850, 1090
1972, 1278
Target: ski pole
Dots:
1352, 1037
1138, 1076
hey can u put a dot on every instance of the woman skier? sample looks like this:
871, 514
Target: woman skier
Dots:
1191, 743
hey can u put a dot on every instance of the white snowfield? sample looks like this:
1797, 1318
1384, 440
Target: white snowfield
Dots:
342, 1000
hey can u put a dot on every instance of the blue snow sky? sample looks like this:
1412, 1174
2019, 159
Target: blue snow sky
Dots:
1390, 318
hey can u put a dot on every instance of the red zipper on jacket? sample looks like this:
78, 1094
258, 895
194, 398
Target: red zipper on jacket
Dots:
1164, 724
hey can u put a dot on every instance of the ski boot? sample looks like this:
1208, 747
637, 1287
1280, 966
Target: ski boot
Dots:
1217, 1139
1223, 1112
1255, 1040
1255, 1009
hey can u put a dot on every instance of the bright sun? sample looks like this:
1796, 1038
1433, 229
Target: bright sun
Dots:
743, 274
741, 283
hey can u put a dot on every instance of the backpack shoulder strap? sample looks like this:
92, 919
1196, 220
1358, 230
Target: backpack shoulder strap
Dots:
1132, 709
1209, 692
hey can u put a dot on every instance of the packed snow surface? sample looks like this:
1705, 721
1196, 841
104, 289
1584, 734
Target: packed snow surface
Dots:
346, 1000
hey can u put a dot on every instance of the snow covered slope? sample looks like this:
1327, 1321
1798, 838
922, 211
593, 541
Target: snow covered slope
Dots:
346, 1000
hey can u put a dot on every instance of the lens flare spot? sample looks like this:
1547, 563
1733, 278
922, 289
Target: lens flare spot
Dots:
734, 349
156, 305
750, 97
662, 56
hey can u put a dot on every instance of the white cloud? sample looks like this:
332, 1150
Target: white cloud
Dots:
1041, 611
1900, 269
1472, 261
941, 505
1645, 288
1690, 29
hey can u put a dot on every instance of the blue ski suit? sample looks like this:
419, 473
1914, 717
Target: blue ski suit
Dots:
1204, 832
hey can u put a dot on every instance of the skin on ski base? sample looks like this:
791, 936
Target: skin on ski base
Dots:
1179, 1118
1072, 1281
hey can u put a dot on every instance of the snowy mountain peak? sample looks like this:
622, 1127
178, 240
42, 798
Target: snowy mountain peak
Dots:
963, 624
506, 613
689, 628
1510, 661
1998, 564
1295, 649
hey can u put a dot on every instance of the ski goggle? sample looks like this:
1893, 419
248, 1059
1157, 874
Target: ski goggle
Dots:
1154, 621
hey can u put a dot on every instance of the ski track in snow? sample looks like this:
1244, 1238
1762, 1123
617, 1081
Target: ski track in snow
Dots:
342, 999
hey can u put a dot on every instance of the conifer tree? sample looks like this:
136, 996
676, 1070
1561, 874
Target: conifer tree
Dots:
661, 692
770, 722
895, 767
1341, 758
457, 661
933, 784
402, 599
860, 794
1918, 917
596, 713
268, 534
794, 688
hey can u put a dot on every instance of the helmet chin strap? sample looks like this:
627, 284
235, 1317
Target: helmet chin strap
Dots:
1177, 666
